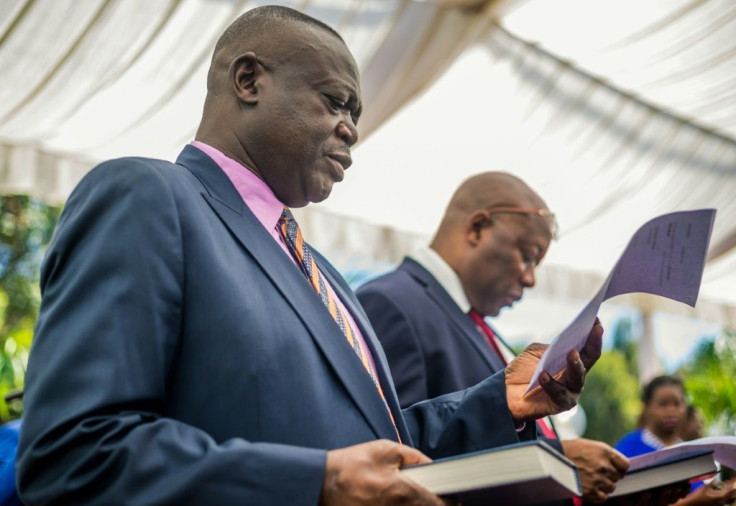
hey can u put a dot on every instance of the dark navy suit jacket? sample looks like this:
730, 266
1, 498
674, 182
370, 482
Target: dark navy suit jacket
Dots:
433, 347
180, 357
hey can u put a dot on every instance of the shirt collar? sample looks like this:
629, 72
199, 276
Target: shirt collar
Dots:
651, 439
256, 194
444, 274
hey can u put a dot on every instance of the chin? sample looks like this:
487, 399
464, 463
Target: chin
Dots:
494, 311
319, 194
315, 199
294, 203
498, 310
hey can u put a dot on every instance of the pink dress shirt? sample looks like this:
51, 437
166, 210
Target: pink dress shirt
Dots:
267, 208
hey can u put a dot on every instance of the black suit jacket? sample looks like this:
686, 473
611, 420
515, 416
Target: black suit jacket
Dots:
180, 357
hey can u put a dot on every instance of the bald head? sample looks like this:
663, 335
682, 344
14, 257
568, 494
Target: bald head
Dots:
484, 191
494, 232
263, 31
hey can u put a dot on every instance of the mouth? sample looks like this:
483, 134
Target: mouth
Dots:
511, 299
341, 161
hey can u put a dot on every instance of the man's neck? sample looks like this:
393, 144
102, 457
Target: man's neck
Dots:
444, 274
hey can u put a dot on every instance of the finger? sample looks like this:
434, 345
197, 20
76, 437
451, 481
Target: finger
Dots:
536, 349
602, 487
606, 485
411, 456
563, 398
619, 461
591, 351
611, 474
599, 493
596, 496
575, 372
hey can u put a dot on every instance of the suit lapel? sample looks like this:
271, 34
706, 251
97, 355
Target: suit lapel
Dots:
379, 357
460, 320
225, 201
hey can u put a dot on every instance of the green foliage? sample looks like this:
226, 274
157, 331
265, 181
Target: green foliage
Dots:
611, 398
710, 381
25, 228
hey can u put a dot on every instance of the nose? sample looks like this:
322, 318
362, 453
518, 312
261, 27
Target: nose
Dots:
347, 131
527, 276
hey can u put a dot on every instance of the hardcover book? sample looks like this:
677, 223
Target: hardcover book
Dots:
522, 474
647, 471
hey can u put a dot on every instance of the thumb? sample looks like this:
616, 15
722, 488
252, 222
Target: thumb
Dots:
410, 456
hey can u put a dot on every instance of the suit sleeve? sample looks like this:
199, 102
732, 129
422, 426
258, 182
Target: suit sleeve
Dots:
460, 422
95, 428
470, 420
400, 342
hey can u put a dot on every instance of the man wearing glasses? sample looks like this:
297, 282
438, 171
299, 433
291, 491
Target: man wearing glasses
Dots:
429, 312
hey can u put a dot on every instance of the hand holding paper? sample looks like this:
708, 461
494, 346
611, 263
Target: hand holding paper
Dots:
558, 394
666, 257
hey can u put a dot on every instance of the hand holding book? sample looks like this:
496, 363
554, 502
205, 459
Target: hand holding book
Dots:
599, 465
371, 470
716, 493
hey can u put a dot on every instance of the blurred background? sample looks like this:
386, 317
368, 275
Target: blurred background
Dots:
615, 112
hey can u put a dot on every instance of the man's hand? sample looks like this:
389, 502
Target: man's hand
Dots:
599, 466
712, 494
556, 395
368, 474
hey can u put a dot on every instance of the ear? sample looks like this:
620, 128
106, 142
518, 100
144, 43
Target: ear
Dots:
475, 224
245, 72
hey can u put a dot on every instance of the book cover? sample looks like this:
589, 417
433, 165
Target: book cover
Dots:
647, 471
523, 474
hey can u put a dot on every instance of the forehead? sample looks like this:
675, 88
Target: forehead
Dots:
319, 56
668, 392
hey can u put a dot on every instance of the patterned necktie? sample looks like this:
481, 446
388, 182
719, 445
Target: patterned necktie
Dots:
299, 249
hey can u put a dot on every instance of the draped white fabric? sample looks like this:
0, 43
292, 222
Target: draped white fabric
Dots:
614, 111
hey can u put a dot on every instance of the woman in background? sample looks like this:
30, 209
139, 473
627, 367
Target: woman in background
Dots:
659, 426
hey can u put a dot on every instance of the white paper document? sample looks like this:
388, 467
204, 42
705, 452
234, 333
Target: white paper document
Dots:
666, 257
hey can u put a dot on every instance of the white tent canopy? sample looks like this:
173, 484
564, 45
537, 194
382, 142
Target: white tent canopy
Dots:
615, 112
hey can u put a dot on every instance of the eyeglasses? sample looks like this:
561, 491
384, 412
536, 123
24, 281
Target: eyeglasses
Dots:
545, 213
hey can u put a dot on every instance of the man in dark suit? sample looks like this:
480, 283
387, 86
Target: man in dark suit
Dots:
191, 349
428, 313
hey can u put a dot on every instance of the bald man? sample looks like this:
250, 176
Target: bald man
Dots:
429, 313
191, 348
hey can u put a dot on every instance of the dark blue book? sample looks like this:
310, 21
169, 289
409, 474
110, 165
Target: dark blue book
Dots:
522, 474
